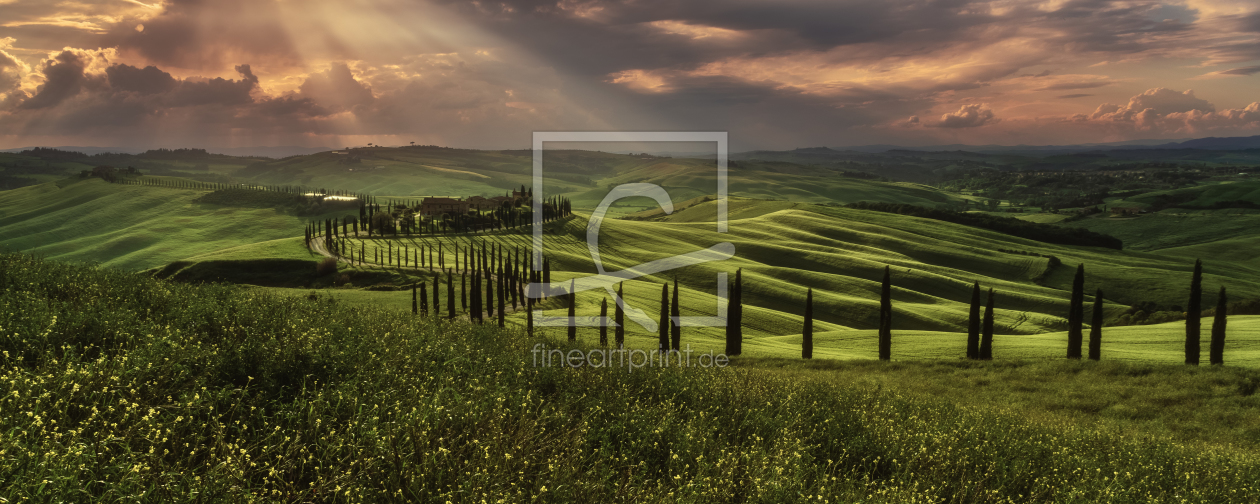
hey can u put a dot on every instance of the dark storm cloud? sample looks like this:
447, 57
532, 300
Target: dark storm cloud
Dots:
64, 79
146, 81
622, 37
216, 91
207, 35
149, 100
618, 35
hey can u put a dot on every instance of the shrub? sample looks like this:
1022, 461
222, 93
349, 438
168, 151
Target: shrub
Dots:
327, 266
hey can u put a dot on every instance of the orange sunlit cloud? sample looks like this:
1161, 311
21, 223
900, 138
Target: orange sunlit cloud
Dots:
775, 74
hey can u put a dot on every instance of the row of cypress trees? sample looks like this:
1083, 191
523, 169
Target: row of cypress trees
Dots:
669, 336
980, 327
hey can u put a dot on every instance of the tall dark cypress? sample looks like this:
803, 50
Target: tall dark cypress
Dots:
663, 329
807, 330
1095, 327
1194, 310
603, 322
463, 292
424, 300
619, 318
572, 299
1216, 348
973, 324
735, 317
513, 279
490, 294
529, 320
414, 309
546, 278
450, 294
885, 316
986, 330
675, 324
1076, 314
500, 291
437, 308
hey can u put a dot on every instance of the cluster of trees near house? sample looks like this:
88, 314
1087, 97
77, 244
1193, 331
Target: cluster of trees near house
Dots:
405, 219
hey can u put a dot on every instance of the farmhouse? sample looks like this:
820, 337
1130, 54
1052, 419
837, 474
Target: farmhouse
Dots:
440, 205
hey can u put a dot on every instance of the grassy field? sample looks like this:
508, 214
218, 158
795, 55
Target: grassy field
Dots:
126, 388
784, 247
133, 227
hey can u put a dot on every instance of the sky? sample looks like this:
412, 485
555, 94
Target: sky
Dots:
775, 74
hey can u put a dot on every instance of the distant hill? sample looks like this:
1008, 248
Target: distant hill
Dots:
271, 152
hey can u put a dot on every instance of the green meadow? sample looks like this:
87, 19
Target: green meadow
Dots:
121, 387
181, 350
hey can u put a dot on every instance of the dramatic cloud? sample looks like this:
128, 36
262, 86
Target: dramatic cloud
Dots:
337, 88
776, 74
968, 116
64, 76
1167, 112
146, 81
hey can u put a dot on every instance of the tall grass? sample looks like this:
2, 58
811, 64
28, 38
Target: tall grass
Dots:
119, 387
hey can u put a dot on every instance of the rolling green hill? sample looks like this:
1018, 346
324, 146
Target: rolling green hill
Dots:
128, 226
784, 248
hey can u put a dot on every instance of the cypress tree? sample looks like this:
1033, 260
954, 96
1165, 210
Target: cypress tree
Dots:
414, 308
513, 280
450, 294
546, 278
463, 292
973, 324
1076, 314
885, 316
424, 300
1095, 327
437, 310
572, 298
735, 316
807, 331
1216, 349
499, 290
986, 332
663, 330
619, 319
675, 323
490, 294
529, 320
1194, 310
603, 322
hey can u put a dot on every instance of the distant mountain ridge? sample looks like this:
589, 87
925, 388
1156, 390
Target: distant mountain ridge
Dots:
1206, 143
